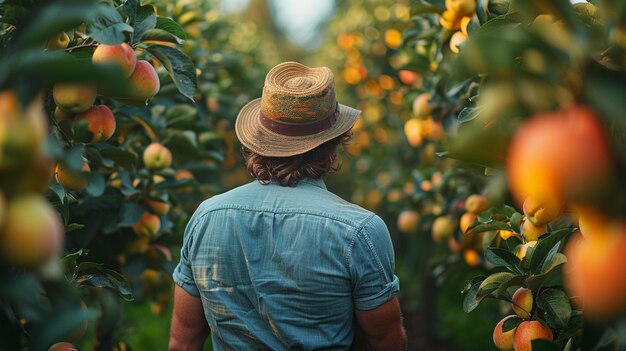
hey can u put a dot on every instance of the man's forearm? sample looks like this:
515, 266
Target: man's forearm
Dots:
182, 339
189, 329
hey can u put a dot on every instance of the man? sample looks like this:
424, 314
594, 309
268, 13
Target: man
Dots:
282, 263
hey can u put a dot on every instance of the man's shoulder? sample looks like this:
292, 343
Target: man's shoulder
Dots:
232, 196
306, 198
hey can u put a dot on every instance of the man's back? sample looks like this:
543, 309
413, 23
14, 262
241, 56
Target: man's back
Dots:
284, 267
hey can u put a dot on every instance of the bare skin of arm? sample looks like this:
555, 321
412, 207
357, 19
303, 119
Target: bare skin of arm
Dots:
380, 329
189, 328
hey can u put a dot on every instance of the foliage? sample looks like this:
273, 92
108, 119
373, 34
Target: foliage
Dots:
515, 60
121, 225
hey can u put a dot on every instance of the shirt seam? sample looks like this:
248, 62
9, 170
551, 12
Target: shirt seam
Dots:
354, 238
206, 212
370, 246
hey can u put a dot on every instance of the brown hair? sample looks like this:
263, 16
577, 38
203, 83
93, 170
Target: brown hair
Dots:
289, 171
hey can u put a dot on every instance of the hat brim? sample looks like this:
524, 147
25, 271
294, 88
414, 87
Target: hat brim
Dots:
253, 135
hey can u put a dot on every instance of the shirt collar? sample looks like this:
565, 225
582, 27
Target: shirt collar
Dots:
315, 182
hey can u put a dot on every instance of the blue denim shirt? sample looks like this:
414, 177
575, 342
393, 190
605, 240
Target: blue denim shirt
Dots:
283, 268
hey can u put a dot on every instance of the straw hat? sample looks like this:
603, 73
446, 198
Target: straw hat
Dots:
297, 112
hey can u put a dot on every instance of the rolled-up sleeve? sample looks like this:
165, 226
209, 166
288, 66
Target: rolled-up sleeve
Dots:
372, 266
183, 275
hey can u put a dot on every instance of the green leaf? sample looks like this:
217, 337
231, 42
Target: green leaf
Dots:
93, 274
119, 156
469, 283
73, 226
14, 15
108, 26
59, 191
546, 245
511, 323
93, 155
493, 282
183, 144
70, 259
516, 221
39, 70
478, 228
421, 7
129, 9
468, 114
169, 25
175, 184
160, 35
131, 212
96, 184
122, 285
556, 304
544, 345
182, 115
536, 282
52, 19
471, 300
498, 7
145, 20
502, 258
556, 260
179, 66
518, 280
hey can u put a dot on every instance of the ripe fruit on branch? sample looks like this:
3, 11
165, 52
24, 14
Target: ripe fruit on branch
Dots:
503, 340
450, 20
590, 220
506, 234
143, 84
522, 302
471, 257
69, 179
157, 156
596, 270
147, 225
33, 233
530, 231
393, 38
159, 207
139, 245
62, 346
74, 97
476, 203
22, 130
121, 55
100, 122
527, 332
408, 221
466, 220
541, 211
457, 39
35, 177
559, 155
442, 228
461, 7
61, 115
465, 21
523, 249
422, 106
413, 132
59, 41
408, 77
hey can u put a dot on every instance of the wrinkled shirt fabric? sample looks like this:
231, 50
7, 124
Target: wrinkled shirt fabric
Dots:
284, 268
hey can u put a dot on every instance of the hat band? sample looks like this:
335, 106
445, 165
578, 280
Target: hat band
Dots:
293, 129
